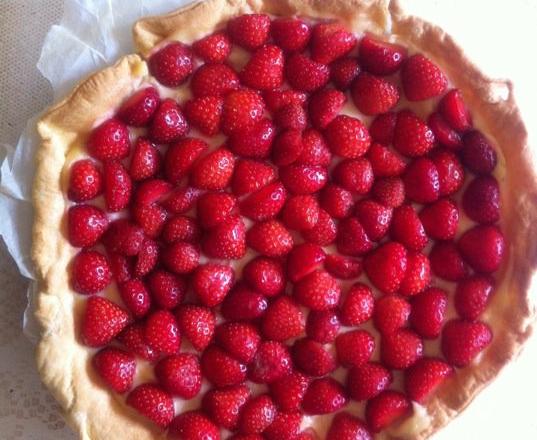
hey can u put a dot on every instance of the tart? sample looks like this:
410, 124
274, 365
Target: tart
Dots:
282, 219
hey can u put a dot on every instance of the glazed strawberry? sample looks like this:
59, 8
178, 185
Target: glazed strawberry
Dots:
478, 154
401, 349
336, 200
428, 312
303, 260
215, 207
167, 289
86, 224
443, 133
305, 74
300, 212
102, 321
257, 414
347, 137
389, 191
343, 71
254, 141
251, 175
354, 348
121, 267
324, 106
240, 340
318, 291
406, 228
249, 30
291, 34
172, 64
214, 170
446, 261
90, 272
303, 179
386, 266
271, 362
380, 57
181, 228
382, 128
147, 258
180, 375
197, 324
264, 275
422, 79
227, 240
440, 219
136, 297
289, 391
374, 217
244, 304
411, 136
265, 203
278, 98
116, 368
330, 41
215, 80
384, 409
204, 113
146, 160
324, 232
168, 123
117, 186
138, 109
312, 358
424, 377
352, 239
219, 368
181, 156
322, 326
472, 296
85, 181
367, 381
180, 257
463, 340
283, 320
454, 111
373, 95
347, 427
242, 109
264, 70
152, 191
269, 238
340, 266
450, 171
193, 425
357, 306
132, 337
481, 200
391, 314
287, 147
109, 141
291, 116
285, 425
324, 396
314, 149
151, 217
354, 175
422, 181
162, 332
417, 276
214, 48
152, 402
483, 248
181, 199
224, 405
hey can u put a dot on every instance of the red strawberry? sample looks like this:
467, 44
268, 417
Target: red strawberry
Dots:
117, 186
214, 48
242, 109
85, 181
285, 425
205, 113
380, 57
354, 175
303, 179
389, 191
271, 362
220, 368
172, 64
269, 238
374, 217
291, 34
428, 312
214, 170
424, 376
215, 80
197, 324
181, 200
162, 332
249, 30
180, 257
167, 289
463, 340
347, 137
343, 267
278, 98
386, 408
343, 72
85, 224
354, 348
109, 141
441, 219
287, 147
265, 203
418, 274
289, 391
193, 425
90, 272
116, 367
152, 191
347, 427
257, 414
386, 266
330, 41
121, 267
244, 304
406, 228
264, 70
136, 297
138, 109
282, 320
322, 326
180, 375
251, 175
483, 247
227, 240
215, 207
265, 275
147, 258
133, 338
168, 123
478, 154
151, 218
382, 128
305, 74
152, 402
367, 381
181, 228
301, 212
324, 396
443, 133
450, 171
411, 136
472, 296
400, 349
181, 156
352, 238
324, 106
314, 149
291, 116
324, 232
391, 313
224, 405
102, 321
481, 200
422, 181
373, 95
253, 141
336, 200
240, 340
446, 261
357, 306
422, 79
454, 111
146, 160
318, 291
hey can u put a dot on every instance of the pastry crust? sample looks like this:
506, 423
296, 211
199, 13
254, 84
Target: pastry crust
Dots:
63, 362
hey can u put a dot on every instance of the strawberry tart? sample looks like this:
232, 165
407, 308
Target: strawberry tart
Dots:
282, 220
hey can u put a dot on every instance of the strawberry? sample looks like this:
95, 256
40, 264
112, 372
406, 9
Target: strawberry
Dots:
216, 80
162, 332
271, 362
242, 109
269, 238
374, 217
477, 154
380, 57
440, 219
244, 304
354, 175
373, 95
418, 274
257, 414
450, 171
265, 275
357, 306
443, 133
282, 320
446, 261
132, 337
300, 212
354, 348
249, 30
215, 207
322, 326
146, 160
389, 191
352, 239
291, 116
168, 123
85, 181
214, 48
287, 147
291, 34
197, 324
251, 175
205, 113
151, 218
424, 377
367, 381
406, 228
180, 375
324, 106
347, 137
304, 74
90, 272
102, 321
147, 259
340, 266
278, 98
193, 425
214, 170
240, 340
121, 267
303, 179
386, 266
224, 405
347, 427
483, 248
180, 257
181, 156
422, 181
264, 69
343, 71
265, 203
152, 191
109, 141
136, 297
324, 232
285, 425
289, 391
172, 64
335, 200
219, 368
330, 41
411, 136
472, 296
391, 313
454, 111
167, 289
116, 368
422, 79
314, 149
318, 291
400, 349
86, 224
481, 200
138, 109
181, 199
428, 312
152, 402
384, 409
227, 240
117, 186
463, 340
181, 228
324, 396
382, 128
253, 141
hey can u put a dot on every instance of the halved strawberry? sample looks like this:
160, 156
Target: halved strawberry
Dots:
193, 425
386, 408
136, 297
197, 324
251, 175
318, 291
354, 347
269, 238
240, 339
257, 414
242, 109
168, 123
215, 207
90, 272
380, 57
346, 427
412, 137
324, 106
391, 314
373, 95
324, 396
249, 30
265, 203
330, 41
305, 74
116, 367
347, 137
463, 340
102, 321
443, 133
271, 362
167, 289
152, 402
283, 320
424, 377
386, 266
264, 70
161, 332
312, 358
214, 79
86, 224
180, 375
422, 79
213, 171
146, 160
205, 113
220, 368
109, 141
454, 111
85, 181
291, 34
224, 405
472, 296
172, 64
227, 240
357, 306
343, 71
138, 109
367, 381
214, 48
483, 247
301, 212
323, 326
428, 312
